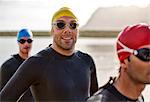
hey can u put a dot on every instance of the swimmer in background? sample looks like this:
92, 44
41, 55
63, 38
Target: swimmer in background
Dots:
10, 66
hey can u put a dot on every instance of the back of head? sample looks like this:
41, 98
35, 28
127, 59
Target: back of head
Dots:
132, 37
24, 33
64, 11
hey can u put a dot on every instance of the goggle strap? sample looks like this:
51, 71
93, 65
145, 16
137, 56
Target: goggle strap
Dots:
125, 48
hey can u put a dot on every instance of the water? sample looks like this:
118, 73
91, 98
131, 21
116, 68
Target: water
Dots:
101, 49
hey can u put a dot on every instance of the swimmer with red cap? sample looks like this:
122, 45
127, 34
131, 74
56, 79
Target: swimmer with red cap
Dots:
133, 49
131, 39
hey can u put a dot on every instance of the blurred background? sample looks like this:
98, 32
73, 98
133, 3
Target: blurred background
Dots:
101, 17
100, 22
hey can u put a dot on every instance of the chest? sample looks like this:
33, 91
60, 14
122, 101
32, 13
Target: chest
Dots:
67, 76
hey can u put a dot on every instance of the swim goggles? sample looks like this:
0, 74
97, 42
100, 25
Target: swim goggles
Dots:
142, 53
60, 24
22, 41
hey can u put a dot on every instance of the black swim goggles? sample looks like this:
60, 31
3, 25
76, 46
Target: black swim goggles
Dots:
22, 41
60, 24
142, 53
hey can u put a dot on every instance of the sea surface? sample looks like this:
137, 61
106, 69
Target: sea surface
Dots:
101, 49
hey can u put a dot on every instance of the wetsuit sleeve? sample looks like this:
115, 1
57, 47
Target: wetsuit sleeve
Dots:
7, 70
93, 78
4, 75
94, 83
19, 83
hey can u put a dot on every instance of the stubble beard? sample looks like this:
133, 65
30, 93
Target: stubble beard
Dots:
64, 45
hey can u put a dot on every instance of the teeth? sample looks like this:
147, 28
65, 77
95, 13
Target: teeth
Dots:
67, 38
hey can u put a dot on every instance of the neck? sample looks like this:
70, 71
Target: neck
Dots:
129, 88
23, 56
63, 51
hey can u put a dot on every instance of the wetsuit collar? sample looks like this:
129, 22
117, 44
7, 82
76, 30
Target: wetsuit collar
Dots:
18, 57
118, 94
60, 56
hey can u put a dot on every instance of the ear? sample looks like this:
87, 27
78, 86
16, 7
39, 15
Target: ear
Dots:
52, 31
124, 64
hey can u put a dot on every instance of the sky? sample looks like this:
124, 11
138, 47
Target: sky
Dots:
82, 8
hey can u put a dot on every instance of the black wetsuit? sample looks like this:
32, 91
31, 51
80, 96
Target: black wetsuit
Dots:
108, 93
54, 77
7, 70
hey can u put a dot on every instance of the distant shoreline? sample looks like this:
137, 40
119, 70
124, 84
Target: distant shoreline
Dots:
81, 33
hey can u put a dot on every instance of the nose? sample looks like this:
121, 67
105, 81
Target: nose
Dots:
67, 30
26, 43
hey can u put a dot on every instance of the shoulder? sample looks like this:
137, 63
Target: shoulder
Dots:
104, 94
45, 53
9, 62
80, 53
40, 56
36, 63
38, 60
87, 59
84, 56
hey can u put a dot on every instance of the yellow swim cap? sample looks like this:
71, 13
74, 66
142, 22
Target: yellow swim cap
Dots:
64, 11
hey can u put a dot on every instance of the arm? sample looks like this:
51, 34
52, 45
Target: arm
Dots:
7, 70
5, 75
93, 78
19, 82
94, 83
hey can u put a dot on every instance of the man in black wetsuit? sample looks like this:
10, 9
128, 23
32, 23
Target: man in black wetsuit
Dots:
9, 67
133, 49
57, 73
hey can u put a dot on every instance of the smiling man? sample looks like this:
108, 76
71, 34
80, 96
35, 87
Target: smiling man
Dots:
58, 73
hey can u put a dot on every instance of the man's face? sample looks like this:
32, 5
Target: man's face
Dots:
65, 33
24, 45
138, 70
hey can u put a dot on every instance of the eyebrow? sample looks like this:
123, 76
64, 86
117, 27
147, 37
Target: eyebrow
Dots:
65, 21
60, 21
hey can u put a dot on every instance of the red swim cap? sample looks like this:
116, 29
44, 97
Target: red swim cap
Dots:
132, 38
